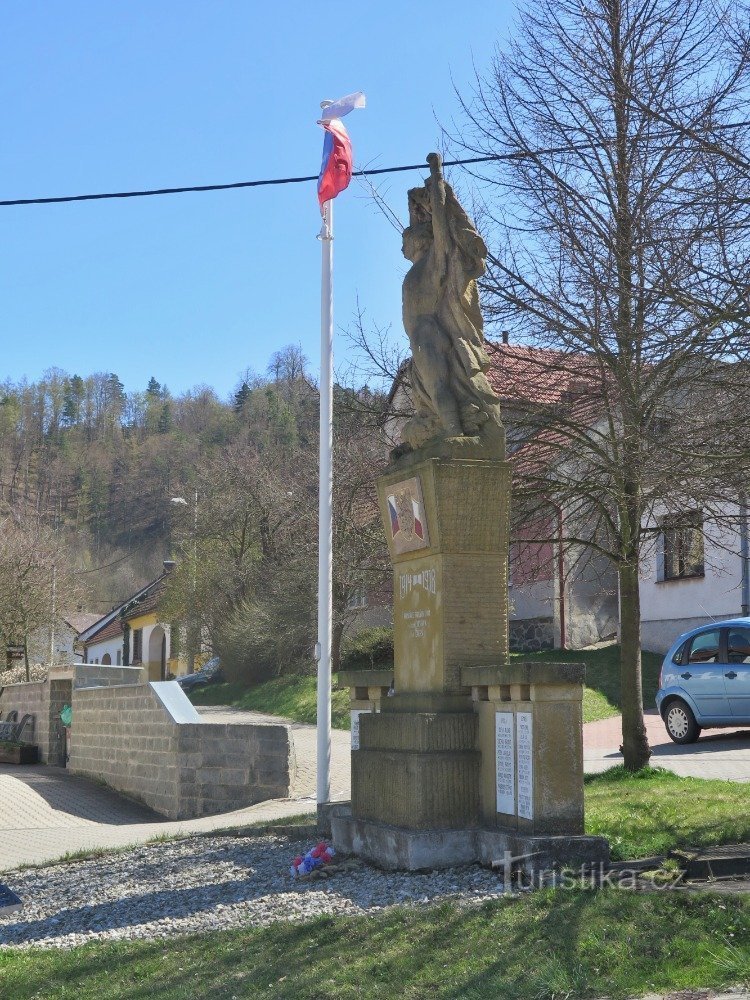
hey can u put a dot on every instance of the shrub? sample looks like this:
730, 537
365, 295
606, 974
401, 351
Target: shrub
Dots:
368, 649
266, 637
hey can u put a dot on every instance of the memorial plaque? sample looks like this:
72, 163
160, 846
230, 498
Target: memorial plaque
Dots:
407, 518
355, 714
525, 760
417, 622
505, 763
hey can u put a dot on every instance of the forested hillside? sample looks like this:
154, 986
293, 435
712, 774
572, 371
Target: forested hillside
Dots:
99, 463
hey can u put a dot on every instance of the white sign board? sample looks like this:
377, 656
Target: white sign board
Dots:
355, 726
505, 763
525, 758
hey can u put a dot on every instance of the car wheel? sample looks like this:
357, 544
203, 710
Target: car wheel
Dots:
680, 722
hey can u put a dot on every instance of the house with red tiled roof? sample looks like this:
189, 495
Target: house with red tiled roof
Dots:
133, 634
691, 573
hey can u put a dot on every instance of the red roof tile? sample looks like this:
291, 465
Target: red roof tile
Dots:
110, 631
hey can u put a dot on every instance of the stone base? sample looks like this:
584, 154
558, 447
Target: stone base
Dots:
398, 849
417, 769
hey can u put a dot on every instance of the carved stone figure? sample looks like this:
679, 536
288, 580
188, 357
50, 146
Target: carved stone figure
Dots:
451, 394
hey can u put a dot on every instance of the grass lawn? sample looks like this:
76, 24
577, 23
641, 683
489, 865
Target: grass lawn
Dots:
601, 696
290, 697
295, 697
544, 946
654, 811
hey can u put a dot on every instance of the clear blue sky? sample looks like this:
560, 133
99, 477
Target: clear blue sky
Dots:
195, 288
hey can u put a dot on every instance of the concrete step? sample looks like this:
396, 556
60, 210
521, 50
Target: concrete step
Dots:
714, 862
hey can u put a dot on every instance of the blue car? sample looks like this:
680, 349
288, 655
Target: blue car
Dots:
705, 680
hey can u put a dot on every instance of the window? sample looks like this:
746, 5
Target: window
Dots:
357, 597
679, 656
682, 536
705, 647
119, 657
137, 645
738, 645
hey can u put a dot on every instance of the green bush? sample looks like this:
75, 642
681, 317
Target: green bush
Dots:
267, 637
368, 649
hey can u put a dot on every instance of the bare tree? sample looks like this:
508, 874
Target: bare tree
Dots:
248, 572
38, 585
617, 242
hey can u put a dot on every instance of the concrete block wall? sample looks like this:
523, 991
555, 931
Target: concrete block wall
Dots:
126, 736
228, 766
122, 735
99, 675
44, 700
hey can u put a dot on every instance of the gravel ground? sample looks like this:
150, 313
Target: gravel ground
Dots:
202, 884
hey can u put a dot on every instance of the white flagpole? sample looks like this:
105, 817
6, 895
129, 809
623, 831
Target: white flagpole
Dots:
325, 519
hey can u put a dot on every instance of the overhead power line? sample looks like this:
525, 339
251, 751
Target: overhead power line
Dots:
275, 181
238, 184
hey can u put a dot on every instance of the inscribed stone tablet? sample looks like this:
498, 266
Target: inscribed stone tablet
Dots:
505, 763
355, 726
524, 743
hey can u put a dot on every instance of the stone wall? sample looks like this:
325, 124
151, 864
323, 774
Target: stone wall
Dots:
147, 741
44, 700
101, 675
528, 635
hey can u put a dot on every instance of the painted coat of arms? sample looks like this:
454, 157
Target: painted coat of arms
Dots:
407, 516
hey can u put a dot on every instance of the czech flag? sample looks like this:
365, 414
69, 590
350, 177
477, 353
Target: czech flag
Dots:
418, 529
336, 169
395, 526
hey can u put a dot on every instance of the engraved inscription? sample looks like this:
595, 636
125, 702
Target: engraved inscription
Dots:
525, 759
355, 714
505, 762
417, 622
424, 579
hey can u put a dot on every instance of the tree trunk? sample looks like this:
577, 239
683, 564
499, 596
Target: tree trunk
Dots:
635, 748
26, 657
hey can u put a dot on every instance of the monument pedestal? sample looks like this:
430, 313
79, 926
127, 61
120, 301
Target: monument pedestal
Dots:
468, 758
417, 764
501, 782
395, 848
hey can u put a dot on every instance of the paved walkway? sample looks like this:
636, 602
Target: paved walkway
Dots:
46, 812
719, 753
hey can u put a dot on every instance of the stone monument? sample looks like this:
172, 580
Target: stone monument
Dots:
467, 756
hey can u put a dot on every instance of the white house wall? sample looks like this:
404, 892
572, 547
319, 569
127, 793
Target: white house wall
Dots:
669, 607
97, 650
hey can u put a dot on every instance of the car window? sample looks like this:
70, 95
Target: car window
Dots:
705, 647
738, 645
679, 656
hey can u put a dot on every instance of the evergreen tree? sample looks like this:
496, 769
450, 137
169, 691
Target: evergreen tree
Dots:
165, 419
116, 390
241, 397
73, 397
153, 388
